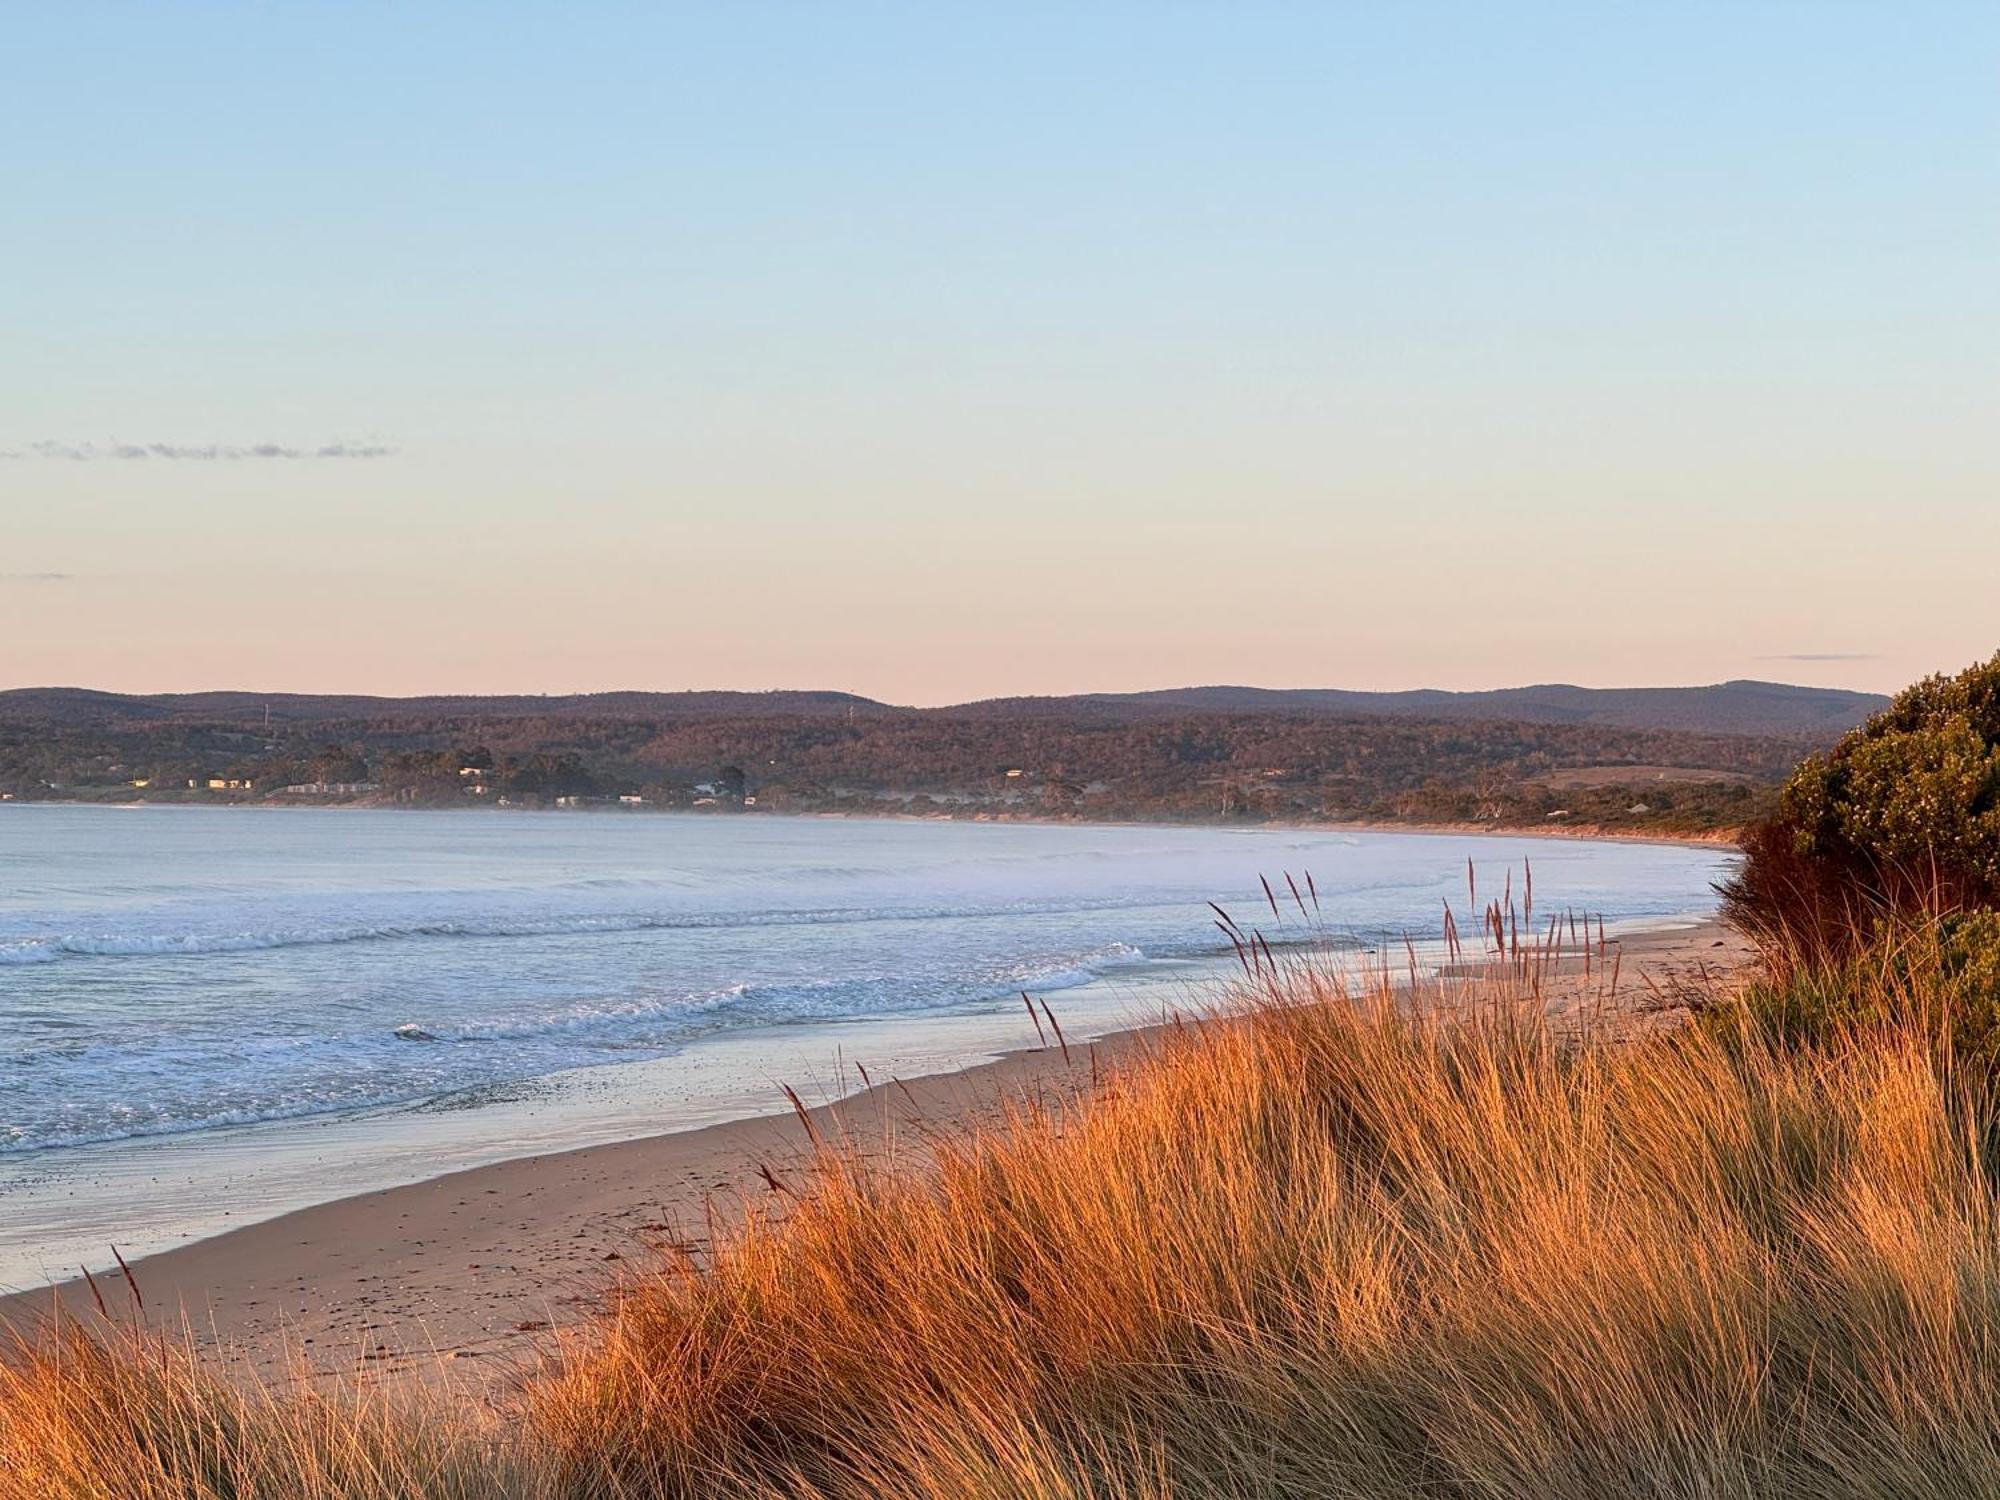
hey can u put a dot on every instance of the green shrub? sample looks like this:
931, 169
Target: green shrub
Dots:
1903, 815
1969, 963
1939, 977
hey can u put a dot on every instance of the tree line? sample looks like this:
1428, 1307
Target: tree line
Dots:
1193, 766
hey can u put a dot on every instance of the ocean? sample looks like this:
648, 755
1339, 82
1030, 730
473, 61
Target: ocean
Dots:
207, 1007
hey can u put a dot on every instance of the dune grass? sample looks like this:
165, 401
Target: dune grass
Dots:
1395, 1245
125, 1416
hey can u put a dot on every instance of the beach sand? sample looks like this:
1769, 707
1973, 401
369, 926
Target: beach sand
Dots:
461, 1277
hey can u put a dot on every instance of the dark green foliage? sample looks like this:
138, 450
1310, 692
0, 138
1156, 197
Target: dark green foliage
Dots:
1942, 974
1968, 971
1902, 815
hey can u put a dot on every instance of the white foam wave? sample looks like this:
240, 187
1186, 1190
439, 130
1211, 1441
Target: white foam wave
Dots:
784, 1004
52, 947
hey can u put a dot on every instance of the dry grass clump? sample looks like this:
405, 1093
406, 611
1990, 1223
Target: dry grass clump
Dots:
125, 1416
1396, 1245
1338, 1248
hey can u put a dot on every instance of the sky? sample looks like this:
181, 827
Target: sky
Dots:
948, 351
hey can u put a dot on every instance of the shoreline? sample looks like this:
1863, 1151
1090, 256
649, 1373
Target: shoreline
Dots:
154, 1188
150, 1194
484, 1263
1708, 839
462, 1276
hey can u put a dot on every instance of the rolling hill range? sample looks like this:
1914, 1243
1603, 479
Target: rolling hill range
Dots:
65, 705
1742, 707
1658, 759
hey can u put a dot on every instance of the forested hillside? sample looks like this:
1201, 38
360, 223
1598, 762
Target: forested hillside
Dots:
811, 752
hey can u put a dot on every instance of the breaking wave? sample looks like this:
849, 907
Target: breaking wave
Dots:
50, 948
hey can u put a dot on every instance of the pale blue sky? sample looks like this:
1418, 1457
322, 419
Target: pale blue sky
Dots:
935, 352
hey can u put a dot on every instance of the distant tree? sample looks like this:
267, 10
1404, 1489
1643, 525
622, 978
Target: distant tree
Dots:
545, 775
423, 776
339, 763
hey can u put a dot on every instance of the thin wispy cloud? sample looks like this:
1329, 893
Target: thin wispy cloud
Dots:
1822, 656
36, 577
195, 452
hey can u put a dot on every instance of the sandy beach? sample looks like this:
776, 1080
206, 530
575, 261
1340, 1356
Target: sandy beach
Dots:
461, 1277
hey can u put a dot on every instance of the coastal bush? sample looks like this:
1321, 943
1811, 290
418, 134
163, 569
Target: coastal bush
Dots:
1932, 976
1902, 814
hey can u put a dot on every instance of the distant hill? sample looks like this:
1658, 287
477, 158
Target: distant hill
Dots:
89, 706
1632, 759
1763, 709
1741, 707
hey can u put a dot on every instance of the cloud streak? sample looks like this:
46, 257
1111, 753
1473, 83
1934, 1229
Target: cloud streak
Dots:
195, 452
1822, 656
36, 577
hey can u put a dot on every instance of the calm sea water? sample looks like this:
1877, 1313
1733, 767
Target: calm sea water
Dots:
181, 971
